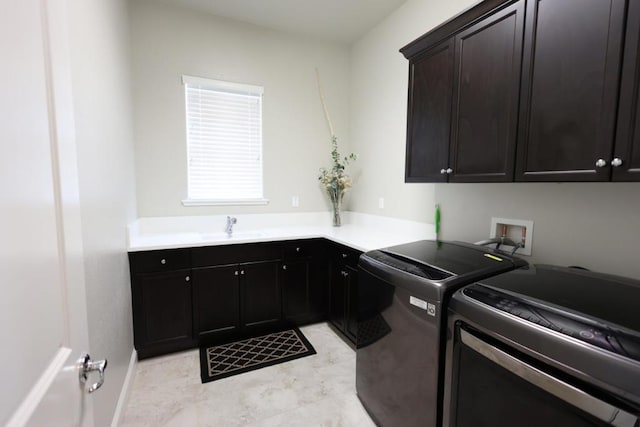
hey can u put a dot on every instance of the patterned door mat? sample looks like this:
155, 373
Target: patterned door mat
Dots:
222, 361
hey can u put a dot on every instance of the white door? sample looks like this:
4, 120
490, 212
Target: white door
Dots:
43, 319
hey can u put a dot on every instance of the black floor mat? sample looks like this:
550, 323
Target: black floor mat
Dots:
222, 361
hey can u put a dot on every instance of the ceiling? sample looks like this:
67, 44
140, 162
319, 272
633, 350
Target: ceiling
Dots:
337, 20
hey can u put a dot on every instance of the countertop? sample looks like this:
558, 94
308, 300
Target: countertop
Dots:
359, 231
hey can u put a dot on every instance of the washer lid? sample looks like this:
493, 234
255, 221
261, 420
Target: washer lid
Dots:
611, 299
460, 262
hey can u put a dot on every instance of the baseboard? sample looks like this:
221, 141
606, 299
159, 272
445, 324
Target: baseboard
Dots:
124, 393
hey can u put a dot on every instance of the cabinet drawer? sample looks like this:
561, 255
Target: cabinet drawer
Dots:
234, 254
159, 261
302, 249
346, 256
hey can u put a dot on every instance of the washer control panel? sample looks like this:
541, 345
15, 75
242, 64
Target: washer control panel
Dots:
590, 331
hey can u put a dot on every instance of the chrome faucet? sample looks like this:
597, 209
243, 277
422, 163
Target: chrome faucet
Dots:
230, 222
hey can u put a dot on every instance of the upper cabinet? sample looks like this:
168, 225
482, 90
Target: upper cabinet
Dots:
463, 103
626, 155
528, 90
570, 89
485, 104
429, 115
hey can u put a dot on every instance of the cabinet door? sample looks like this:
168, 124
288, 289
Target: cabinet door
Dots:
261, 296
627, 147
571, 71
319, 279
429, 114
216, 301
337, 296
162, 309
296, 305
486, 94
351, 284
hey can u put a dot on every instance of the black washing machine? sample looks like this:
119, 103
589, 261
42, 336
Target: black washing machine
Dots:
544, 346
402, 298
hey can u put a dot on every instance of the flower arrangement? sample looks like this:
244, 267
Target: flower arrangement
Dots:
334, 180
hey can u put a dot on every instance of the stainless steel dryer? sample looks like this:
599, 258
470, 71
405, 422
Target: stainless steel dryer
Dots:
544, 346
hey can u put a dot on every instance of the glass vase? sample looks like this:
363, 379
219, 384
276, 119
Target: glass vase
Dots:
336, 201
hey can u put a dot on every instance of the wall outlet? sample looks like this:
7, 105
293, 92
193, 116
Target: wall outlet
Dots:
381, 203
295, 201
518, 230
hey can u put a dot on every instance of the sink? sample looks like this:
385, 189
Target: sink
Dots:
237, 235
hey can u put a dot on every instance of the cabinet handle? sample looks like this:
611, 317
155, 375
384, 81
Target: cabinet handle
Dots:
616, 162
284, 267
443, 171
242, 272
235, 272
449, 171
600, 163
163, 261
186, 279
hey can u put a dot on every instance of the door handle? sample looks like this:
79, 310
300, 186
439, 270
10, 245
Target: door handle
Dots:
568, 393
87, 366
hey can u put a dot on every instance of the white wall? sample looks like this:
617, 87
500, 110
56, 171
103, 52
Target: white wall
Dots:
596, 225
169, 41
100, 70
378, 111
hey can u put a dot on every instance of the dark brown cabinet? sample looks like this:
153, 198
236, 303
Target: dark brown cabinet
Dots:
261, 301
235, 300
429, 114
216, 300
486, 93
304, 278
463, 103
351, 286
535, 90
186, 297
161, 300
338, 297
625, 160
569, 90
296, 300
343, 307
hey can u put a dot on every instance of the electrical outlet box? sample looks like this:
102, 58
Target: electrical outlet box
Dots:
381, 203
518, 230
295, 201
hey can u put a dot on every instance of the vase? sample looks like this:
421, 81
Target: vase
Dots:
336, 203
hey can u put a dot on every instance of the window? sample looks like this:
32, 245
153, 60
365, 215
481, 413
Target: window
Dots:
224, 142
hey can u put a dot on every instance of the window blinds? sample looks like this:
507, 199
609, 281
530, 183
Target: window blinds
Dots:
224, 140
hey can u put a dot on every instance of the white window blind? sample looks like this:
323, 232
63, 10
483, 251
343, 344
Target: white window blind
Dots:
224, 141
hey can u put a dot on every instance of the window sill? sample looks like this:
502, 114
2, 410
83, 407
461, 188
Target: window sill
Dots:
205, 202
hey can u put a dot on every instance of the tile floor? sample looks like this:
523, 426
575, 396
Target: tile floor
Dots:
317, 390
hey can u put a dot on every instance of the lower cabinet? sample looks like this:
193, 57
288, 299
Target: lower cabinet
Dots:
338, 297
305, 275
343, 289
216, 301
352, 303
261, 301
296, 301
186, 297
236, 300
162, 312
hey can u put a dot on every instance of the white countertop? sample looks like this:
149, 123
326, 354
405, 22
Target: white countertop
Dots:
359, 231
